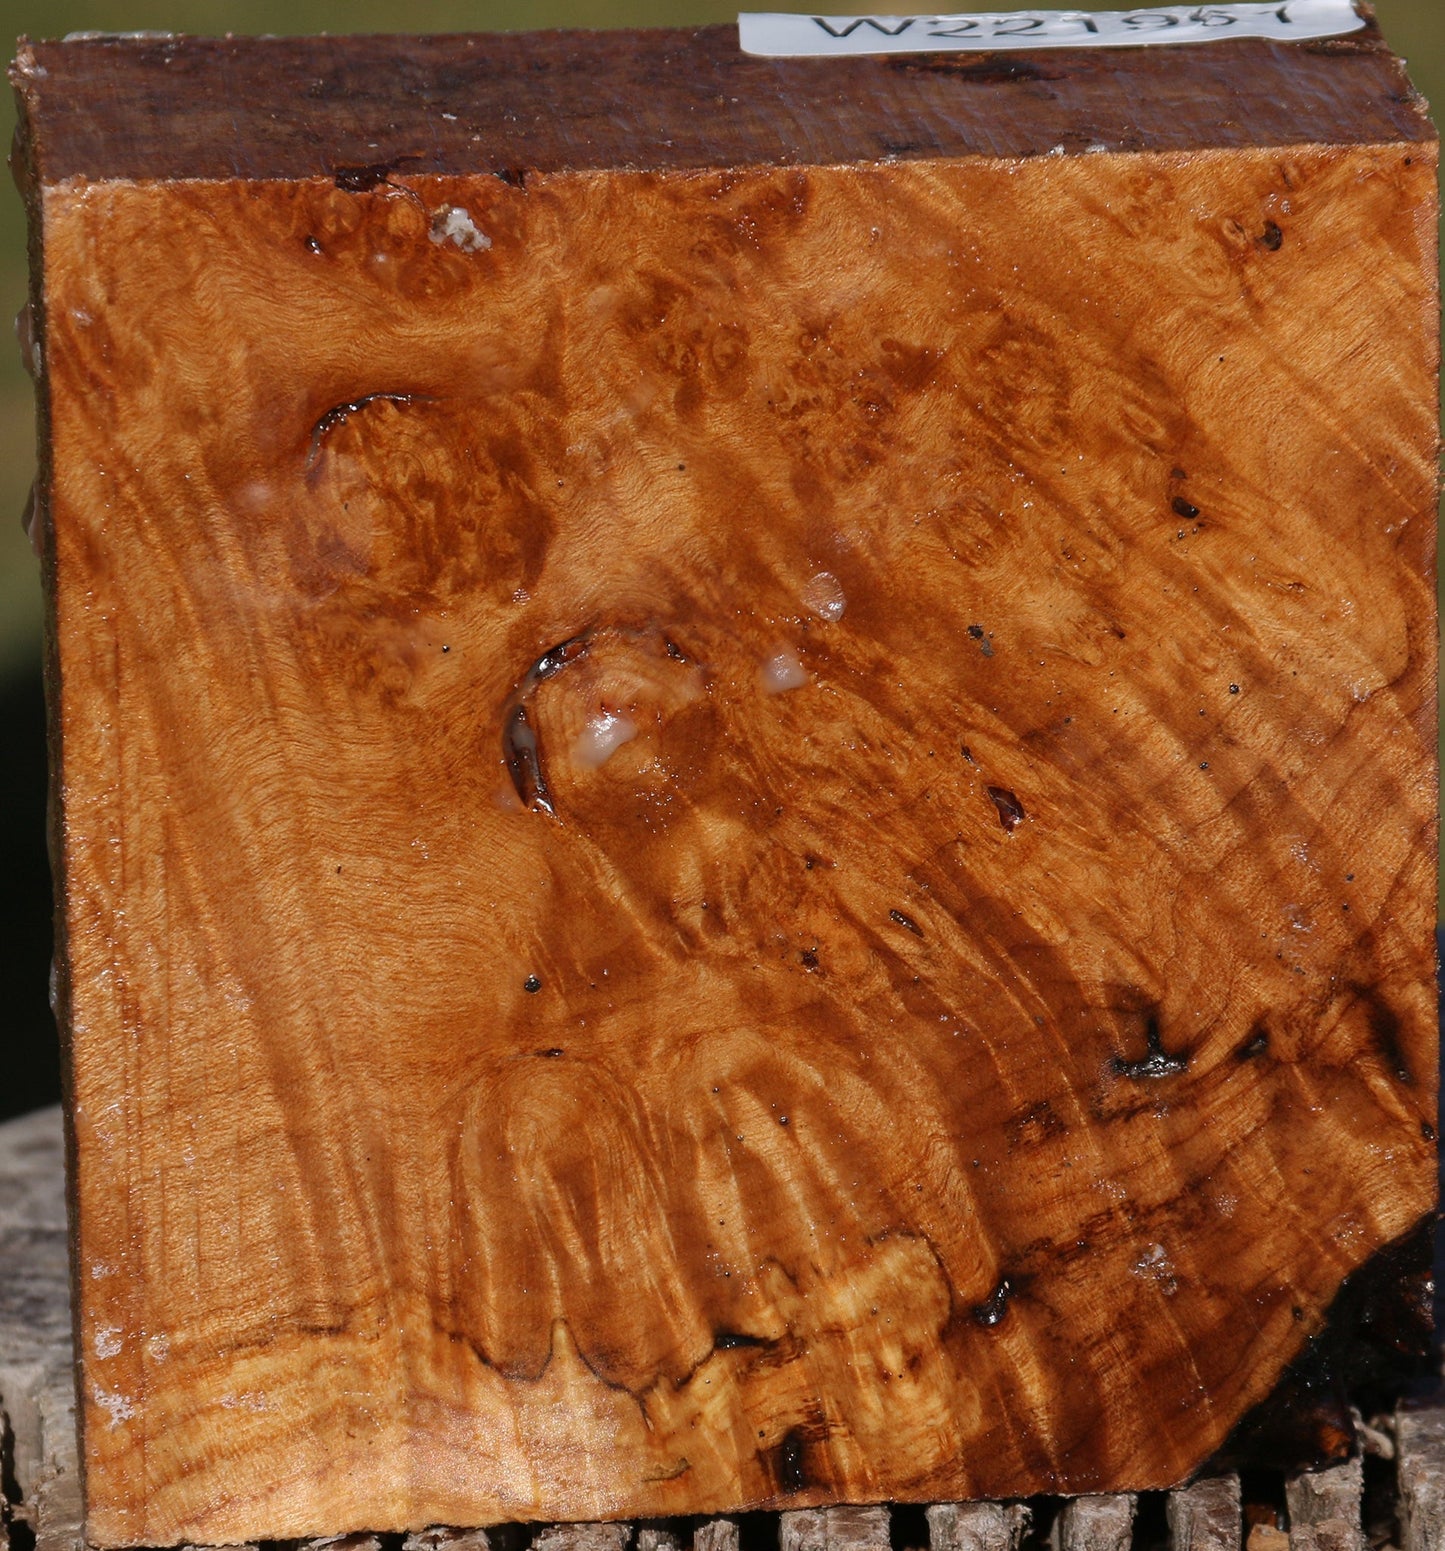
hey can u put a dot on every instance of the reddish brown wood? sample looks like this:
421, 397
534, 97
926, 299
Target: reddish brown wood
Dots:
519, 103
960, 1038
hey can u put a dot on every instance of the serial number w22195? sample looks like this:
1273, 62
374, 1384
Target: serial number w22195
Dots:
780, 35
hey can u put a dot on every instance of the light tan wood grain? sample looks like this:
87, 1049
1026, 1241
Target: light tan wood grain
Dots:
956, 1045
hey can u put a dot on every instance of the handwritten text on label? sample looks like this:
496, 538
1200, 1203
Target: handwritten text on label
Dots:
778, 35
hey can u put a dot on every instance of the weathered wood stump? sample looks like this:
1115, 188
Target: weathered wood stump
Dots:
745, 761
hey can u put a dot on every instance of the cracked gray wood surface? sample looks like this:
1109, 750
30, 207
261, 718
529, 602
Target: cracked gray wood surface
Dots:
1096, 1524
583, 1537
439, 1538
1324, 1508
1420, 1472
1206, 1515
655, 1537
977, 1526
834, 1529
37, 1387
716, 1535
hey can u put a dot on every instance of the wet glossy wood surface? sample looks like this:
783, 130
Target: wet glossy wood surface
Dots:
733, 837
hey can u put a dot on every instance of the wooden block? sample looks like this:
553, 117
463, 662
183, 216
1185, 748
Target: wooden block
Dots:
745, 762
440, 1539
977, 1526
656, 1537
834, 1529
1096, 1524
1420, 1477
583, 1537
1325, 1508
716, 1535
1329, 1535
57, 1490
36, 1361
37, 1385
1206, 1515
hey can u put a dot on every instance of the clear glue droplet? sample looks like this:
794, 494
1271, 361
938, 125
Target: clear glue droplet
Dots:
824, 596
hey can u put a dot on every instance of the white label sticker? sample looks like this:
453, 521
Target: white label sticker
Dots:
781, 36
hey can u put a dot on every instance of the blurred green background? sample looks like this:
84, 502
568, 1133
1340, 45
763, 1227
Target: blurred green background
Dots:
27, 1043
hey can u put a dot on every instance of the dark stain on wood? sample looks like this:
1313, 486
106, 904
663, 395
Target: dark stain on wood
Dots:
792, 1461
1385, 1030
992, 1310
1156, 1062
1373, 1345
1256, 1045
1010, 809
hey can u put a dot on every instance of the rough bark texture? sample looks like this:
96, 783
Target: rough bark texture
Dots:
738, 826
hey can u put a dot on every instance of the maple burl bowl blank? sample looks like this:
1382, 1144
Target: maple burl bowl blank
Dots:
745, 789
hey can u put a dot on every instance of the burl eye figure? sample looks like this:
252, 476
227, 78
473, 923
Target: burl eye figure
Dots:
745, 788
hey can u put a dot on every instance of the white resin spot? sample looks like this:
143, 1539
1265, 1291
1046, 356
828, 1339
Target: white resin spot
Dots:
824, 596
783, 671
601, 738
1153, 1265
118, 1406
453, 224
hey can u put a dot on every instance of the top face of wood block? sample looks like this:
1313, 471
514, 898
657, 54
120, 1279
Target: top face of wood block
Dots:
727, 837
248, 108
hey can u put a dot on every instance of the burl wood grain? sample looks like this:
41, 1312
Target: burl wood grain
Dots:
733, 837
